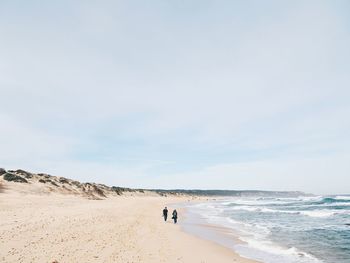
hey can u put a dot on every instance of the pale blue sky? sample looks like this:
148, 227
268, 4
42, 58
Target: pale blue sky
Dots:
178, 94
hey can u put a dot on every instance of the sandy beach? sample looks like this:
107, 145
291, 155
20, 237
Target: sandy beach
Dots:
66, 228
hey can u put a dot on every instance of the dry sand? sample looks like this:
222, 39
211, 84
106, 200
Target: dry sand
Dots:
67, 229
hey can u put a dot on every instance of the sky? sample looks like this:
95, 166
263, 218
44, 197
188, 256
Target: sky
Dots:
178, 94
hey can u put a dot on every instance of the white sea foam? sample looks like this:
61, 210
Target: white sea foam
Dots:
267, 251
324, 205
342, 197
312, 213
262, 209
310, 198
323, 213
318, 213
258, 201
272, 201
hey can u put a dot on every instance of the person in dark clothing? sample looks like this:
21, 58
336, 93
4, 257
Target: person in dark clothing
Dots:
175, 216
165, 213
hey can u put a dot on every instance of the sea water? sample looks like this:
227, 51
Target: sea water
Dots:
280, 230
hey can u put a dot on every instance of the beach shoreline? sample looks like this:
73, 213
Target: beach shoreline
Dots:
65, 228
194, 224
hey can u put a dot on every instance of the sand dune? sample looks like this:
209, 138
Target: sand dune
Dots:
41, 183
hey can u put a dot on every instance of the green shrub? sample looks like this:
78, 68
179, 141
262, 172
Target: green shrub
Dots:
63, 181
24, 173
14, 178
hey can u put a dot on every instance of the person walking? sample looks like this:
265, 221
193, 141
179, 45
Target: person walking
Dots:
175, 216
165, 213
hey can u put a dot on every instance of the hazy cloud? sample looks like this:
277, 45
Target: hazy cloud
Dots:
90, 86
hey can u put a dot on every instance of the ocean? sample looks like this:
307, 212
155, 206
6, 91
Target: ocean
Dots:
276, 230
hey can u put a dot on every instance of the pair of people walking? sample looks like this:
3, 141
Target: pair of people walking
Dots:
165, 215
